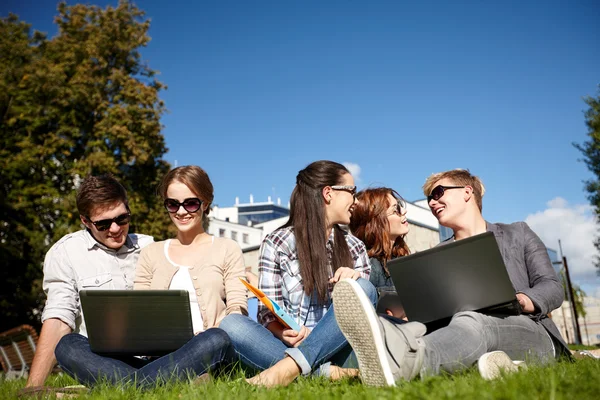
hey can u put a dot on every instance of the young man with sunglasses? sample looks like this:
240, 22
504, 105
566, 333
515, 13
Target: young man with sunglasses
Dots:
388, 350
101, 256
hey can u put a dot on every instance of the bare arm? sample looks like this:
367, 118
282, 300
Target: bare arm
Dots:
53, 330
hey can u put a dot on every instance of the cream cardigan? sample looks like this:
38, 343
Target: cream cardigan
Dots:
215, 275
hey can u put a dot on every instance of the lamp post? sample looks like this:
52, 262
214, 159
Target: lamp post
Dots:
571, 297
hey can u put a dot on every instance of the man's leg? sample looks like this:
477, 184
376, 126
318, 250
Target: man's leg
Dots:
470, 335
75, 357
326, 339
255, 345
386, 351
204, 352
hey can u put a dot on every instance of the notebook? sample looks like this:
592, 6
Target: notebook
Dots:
286, 320
465, 275
136, 322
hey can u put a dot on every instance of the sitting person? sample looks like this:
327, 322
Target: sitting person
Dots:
101, 256
299, 265
379, 220
404, 351
177, 264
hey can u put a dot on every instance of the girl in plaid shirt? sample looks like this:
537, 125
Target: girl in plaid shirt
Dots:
299, 265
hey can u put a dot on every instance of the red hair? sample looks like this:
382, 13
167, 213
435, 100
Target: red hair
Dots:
370, 224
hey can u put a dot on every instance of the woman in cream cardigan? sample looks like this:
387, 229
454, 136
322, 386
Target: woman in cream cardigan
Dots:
207, 267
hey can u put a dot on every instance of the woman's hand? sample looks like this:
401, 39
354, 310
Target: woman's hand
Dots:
343, 273
292, 338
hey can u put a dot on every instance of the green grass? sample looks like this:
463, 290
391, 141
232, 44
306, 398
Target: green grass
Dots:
582, 347
564, 380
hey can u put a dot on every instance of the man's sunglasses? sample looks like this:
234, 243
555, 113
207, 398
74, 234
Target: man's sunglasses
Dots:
190, 205
438, 192
347, 188
105, 224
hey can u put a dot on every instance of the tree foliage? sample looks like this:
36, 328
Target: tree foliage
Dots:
83, 102
591, 153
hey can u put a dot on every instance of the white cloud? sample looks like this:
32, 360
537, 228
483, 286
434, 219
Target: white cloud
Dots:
576, 227
354, 171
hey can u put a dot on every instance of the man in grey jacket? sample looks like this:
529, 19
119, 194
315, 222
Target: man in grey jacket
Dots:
389, 350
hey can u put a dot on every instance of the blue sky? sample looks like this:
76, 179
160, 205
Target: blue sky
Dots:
258, 89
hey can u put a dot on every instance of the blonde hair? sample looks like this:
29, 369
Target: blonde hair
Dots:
459, 177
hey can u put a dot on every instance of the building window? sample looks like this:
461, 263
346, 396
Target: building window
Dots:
234, 235
221, 232
245, 238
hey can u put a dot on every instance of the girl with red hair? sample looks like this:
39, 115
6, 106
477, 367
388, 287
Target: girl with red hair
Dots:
379, 220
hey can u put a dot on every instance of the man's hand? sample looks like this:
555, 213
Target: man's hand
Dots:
343, 273
292, 338
526, 303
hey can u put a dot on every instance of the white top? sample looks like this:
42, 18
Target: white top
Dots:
183, 281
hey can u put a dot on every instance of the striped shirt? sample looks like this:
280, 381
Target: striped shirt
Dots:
279, 276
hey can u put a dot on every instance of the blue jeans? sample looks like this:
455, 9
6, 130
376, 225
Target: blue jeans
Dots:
202, 353
259, 349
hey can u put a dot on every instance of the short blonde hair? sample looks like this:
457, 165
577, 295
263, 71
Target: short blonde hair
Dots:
459, 177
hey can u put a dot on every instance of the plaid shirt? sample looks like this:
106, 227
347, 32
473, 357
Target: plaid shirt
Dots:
279, 276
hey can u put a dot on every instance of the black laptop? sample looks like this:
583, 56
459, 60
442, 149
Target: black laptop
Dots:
465, 275
136, 322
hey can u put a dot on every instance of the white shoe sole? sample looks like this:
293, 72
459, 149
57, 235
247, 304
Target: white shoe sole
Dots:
358, 321
494, 364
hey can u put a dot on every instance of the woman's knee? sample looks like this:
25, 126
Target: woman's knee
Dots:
219, 337
234, 325
369, 289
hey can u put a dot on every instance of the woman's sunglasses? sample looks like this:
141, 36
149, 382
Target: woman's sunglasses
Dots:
190, 205
105, 224
348, 188
400, 208
438, 192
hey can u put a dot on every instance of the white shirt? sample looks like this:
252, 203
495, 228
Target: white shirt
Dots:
77, 261
183, 281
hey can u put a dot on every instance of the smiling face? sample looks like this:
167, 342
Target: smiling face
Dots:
340, 202
396, 218
449, 208
116, 235
185, 221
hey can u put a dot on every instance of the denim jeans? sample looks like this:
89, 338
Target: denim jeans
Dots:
259, 349
204, 352
470, 334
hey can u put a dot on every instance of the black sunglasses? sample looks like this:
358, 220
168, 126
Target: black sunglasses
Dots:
190, 205
348, 188
438, 192
105, 224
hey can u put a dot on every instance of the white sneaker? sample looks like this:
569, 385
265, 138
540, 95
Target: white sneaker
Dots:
495, 363
385, 352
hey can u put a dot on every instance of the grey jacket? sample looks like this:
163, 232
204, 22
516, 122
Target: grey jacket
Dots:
530, 271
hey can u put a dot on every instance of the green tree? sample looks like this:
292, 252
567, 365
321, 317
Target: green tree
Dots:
83, 102
591, 153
